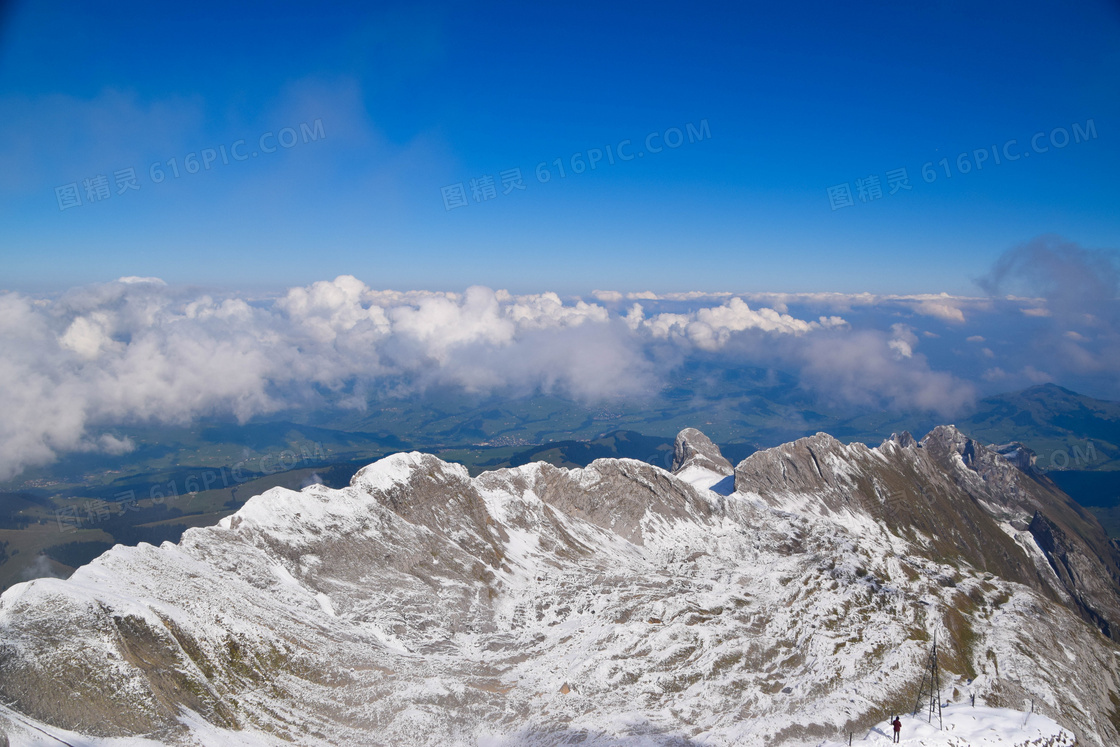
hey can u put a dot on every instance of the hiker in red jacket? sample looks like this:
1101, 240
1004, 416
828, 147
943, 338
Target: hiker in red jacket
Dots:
897, 727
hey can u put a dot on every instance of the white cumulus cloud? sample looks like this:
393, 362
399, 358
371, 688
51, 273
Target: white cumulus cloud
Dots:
76, 368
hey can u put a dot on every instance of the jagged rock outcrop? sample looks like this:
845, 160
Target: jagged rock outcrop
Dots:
1019, 456
693, 449
422, 606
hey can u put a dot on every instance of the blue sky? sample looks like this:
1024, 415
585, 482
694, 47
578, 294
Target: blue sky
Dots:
416, 98
227, 211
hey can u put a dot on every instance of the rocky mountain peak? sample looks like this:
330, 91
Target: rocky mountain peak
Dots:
904, 440
807, 465
945, 437
967, 498
693, 448
400, 469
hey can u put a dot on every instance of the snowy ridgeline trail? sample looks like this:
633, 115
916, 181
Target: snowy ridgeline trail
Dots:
965, 726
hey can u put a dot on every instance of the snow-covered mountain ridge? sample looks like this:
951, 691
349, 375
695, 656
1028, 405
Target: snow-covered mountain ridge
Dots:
619, 603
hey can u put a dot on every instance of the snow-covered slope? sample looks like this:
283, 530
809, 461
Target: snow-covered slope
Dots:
538, 605
964, 725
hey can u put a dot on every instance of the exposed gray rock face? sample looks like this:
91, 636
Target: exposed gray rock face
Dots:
904, 439
693, 448
900, 485
540, 605
1084, 561
958, 493
1082, 573
1018, 455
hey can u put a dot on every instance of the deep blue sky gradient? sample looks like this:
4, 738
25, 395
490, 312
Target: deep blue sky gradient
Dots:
414, 98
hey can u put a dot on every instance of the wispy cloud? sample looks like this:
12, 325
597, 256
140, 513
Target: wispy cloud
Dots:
1075, 307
